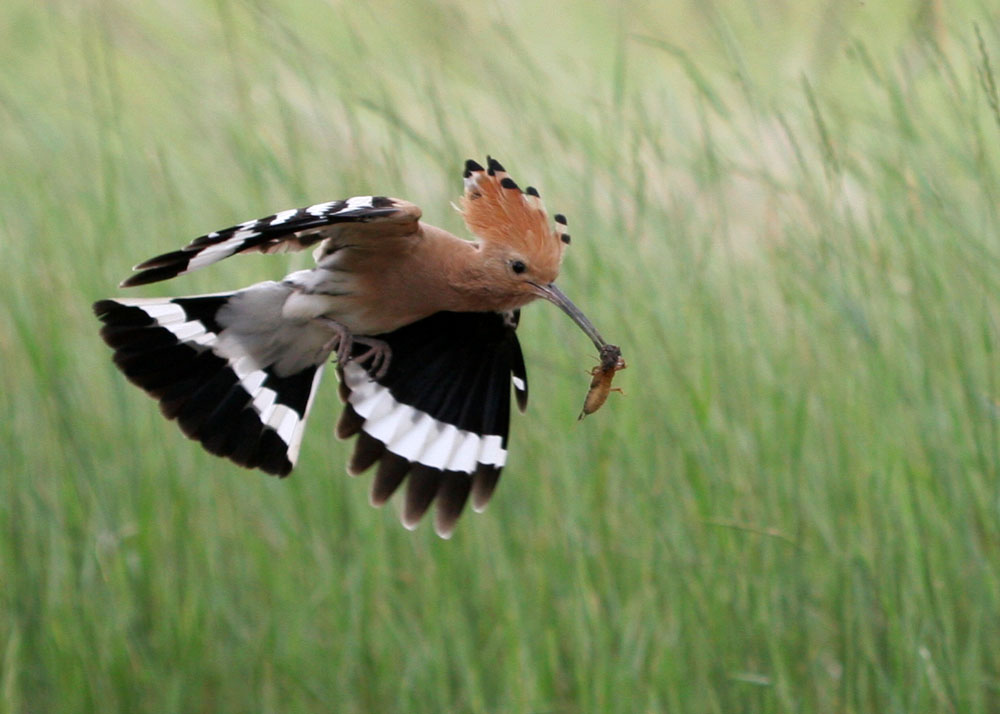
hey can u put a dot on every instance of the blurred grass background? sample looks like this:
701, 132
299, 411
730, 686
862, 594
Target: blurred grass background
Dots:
785, 213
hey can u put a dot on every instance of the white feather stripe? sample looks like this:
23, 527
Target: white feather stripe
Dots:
438, 452
186, 331
206, 338
280, 218
218, 251
296, 442
410, 443
283, 420
492, 452
357, 380
244, 367
357, 202
400, 427
363, 391
252, 381
369, 399
466, 453
263, 402
320, 208
388, 426
164, 313
268, 411
376, 405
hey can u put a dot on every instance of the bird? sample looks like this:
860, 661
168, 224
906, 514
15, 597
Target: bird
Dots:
420, 323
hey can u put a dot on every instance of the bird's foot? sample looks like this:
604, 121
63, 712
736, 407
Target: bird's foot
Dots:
378, 355
342, 341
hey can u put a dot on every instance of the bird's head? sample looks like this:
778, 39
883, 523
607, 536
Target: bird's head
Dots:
521, 249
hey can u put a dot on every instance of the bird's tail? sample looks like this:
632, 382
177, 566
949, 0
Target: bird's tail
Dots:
237, 405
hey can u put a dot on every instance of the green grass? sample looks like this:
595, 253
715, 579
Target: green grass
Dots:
786, 214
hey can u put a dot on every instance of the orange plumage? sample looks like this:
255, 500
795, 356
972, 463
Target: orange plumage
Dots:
496, 210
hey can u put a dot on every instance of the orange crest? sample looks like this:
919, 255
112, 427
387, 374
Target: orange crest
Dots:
497, 211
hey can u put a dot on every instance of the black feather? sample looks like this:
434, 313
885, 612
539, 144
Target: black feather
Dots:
349, 424
367, 450
471, 167
392, 469
484, 482
452, 494
421, 488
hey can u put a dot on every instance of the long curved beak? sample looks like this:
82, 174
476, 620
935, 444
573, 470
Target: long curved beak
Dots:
553, 294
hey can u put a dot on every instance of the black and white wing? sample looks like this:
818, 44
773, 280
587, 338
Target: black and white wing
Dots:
238, 408
440, 414
294, 229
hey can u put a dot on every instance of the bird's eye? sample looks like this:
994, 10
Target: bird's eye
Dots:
518, 266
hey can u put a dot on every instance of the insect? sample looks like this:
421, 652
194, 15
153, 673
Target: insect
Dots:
600, 386
421, 324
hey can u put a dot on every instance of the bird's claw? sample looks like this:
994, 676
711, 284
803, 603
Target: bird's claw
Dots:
378, 355
342, 342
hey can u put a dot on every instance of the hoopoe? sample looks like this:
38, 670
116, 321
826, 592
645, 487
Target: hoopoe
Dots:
421, 322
